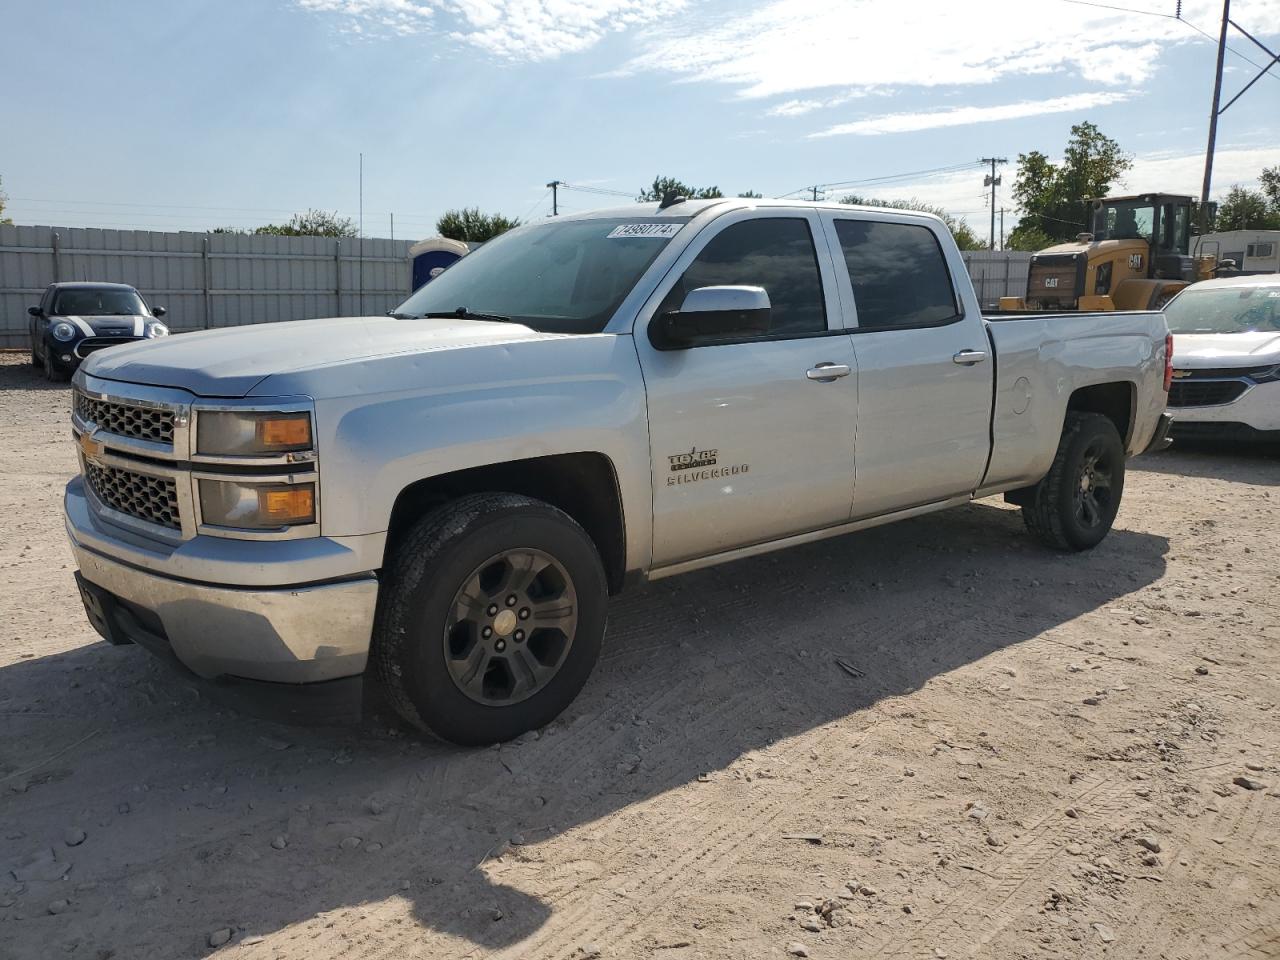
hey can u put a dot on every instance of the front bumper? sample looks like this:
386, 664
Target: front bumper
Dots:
305, 633
1257, 409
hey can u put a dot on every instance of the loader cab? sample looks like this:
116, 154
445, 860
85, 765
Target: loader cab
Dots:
1162, 221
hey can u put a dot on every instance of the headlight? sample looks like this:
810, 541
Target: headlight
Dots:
156, 329
252, 433
257, 506
63, 330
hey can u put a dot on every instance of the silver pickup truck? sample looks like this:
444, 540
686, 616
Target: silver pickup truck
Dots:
443, 499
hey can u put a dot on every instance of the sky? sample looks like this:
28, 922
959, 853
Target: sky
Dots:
193, 114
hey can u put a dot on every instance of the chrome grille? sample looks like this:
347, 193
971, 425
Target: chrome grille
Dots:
126, 420
139, 495
1205, 393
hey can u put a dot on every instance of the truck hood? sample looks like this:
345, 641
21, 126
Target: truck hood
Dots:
1207, 350
230, 362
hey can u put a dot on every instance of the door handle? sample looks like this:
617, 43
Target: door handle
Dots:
968, 358
826, 372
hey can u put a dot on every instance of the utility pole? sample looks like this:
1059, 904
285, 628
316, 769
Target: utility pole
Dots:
1002, 228
1217, 111
815, 193
554, 186
393, 226
1213, 120
993, 181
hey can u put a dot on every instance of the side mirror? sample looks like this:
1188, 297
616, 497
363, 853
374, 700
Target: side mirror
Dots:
35, 311
711, 314
158, 311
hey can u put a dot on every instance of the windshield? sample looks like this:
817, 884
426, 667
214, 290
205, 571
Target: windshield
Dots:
1225, 310
1125, 221
565, 277
98, 303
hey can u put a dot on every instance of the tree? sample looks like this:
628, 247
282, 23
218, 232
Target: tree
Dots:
751, 195
1270, 180
662, 186
470, 225
313, 223
965, 238
1028, 237
1245, 209
1051, 196
3, 200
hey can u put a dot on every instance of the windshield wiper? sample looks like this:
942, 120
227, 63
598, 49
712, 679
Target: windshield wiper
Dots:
401, 316
462, 313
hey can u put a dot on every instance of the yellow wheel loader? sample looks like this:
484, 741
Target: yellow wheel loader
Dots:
1136, 258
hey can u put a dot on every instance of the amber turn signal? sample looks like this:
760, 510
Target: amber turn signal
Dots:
291, 432
287, 505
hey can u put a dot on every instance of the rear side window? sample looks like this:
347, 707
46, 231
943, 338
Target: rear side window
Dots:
776, 253
899, 275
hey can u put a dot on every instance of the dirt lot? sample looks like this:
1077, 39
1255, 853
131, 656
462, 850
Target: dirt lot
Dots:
1024, 754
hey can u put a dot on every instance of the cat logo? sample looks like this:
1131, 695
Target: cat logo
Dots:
1135, 261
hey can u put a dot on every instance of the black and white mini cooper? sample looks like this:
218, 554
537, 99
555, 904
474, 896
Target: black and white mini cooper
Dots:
75, 319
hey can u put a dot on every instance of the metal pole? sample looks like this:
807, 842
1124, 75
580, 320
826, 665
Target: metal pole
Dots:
555, 196
361, 231
208, 306
393, 226
1213, 121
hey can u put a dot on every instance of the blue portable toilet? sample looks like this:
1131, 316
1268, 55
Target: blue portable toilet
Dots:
429, 257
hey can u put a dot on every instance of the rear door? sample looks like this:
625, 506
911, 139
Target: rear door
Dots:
752, 440
925, 373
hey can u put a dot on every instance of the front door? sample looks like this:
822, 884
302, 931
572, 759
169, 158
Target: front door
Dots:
924, 364
749, 443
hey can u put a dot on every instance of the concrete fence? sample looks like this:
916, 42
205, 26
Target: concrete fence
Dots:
225, 279
204, 279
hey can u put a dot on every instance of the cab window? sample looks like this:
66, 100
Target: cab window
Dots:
776, 253
899, 275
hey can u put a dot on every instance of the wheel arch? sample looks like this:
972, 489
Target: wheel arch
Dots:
1116, 401
584, 485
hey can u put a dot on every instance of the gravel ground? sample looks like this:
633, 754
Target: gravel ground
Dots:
935, 739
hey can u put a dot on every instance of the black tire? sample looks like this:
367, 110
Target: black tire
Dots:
419, 640
51, 371
1075, 504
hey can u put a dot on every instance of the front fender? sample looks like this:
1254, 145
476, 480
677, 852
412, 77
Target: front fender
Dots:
485, 405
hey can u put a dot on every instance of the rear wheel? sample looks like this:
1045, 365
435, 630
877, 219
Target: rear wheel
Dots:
490, 618
1075, 504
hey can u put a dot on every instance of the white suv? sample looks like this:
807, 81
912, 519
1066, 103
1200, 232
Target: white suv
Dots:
1226, 359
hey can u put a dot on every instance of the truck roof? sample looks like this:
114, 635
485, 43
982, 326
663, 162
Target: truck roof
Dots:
691, 208
91, 285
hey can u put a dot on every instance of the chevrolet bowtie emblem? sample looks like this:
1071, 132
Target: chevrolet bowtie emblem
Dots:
1179, 374
90, 447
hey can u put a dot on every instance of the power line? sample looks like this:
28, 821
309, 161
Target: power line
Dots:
887, 178
600, 190
536, 204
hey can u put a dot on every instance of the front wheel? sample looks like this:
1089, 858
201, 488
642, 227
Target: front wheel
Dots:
490, 618
1075, 504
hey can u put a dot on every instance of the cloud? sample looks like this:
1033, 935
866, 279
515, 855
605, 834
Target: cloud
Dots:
961, 116
519, 30
794, 47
